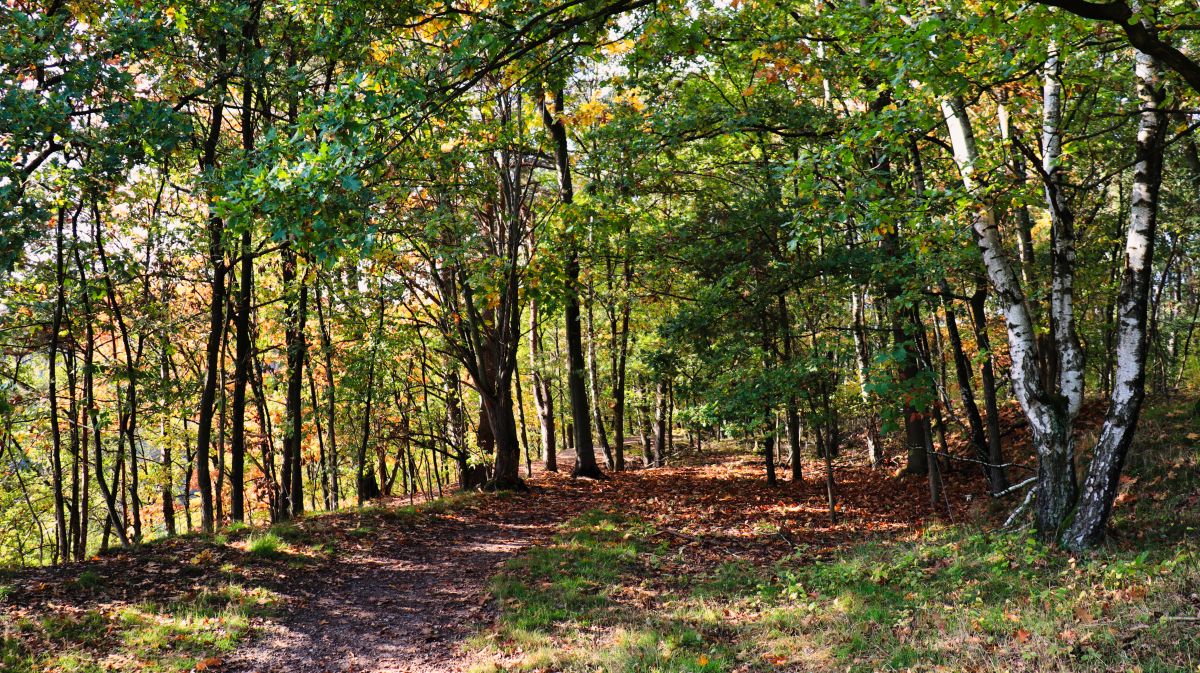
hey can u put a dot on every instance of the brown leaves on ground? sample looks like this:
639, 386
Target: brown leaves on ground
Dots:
389, 582
723, 507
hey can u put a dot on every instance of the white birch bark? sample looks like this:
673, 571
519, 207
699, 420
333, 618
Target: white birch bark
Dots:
1100, 485
1048, 421
1000, 270
1062, 302
862, 359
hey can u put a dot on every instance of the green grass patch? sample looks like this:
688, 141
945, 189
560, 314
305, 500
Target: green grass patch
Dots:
169, 638
605, 597
88, 580
565, 606
177, 636
408, 513
89, 628
986, 602
267, 545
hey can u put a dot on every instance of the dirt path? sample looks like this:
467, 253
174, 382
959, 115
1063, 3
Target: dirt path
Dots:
405, 602
383, 591
413, 592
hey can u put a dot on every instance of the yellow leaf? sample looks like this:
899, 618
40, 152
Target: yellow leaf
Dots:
619, 47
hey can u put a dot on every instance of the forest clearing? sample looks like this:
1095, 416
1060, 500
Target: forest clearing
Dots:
701, 567
599, 335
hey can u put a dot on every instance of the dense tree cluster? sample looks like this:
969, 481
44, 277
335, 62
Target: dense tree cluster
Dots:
262, 257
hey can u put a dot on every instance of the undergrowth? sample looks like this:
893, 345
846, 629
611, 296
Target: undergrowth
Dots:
609, 595
186, 635
89, 630
952, 599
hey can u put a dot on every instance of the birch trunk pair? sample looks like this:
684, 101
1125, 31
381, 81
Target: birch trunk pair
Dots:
1075, 516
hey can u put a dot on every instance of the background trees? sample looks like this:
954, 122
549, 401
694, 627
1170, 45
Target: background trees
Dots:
265, 258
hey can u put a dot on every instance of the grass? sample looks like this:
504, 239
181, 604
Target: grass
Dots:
953, 599
408, 513
195, 629
167, 638
88, 580
556, 599
267, 545
605, 596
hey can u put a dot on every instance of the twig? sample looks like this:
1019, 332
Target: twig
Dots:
1014, 488
1020, 508
682, 535
981, 462
786, 539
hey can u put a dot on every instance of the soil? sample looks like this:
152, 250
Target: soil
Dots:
403, 593
405, 602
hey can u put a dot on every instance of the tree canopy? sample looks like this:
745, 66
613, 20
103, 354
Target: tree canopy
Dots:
263, 257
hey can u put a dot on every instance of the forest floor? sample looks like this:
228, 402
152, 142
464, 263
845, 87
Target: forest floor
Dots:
696, 567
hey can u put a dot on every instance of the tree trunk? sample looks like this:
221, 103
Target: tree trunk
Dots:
769, 449
168, 485
241, 375
62, 552
792, 405
647, 434
521, 422
1051, 434
585, 453
79, 491
330, 400
962, 368
1069, 354
1024, 221
543, 393
862, 358
503, 425
241, 365
987, 377
620, 348
594, 383
366, 485
296, 312
322, 458
127, 411
1108, 456
660, 424
216, 314
91, 411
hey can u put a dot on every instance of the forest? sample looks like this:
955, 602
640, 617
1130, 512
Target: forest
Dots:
672, 335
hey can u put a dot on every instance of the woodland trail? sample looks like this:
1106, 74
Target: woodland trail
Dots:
400, 607
387, 590
407, 601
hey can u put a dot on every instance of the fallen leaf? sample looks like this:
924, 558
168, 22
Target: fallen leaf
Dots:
208, 664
